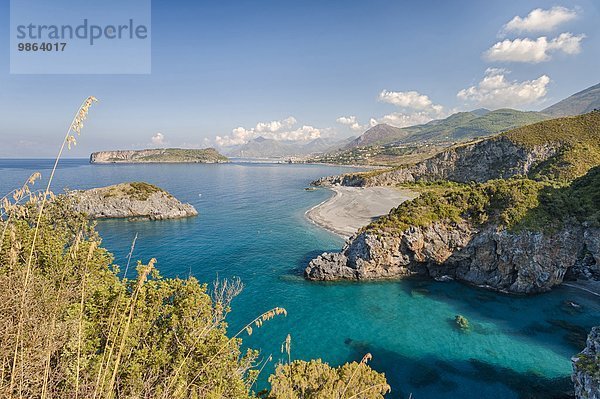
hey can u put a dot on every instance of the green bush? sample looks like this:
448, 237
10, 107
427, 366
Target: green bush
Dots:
317, 380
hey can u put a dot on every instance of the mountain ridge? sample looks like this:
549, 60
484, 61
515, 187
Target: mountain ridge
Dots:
456, 127
581, 102
262, 147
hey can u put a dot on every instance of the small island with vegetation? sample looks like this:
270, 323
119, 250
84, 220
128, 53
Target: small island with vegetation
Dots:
130, 200
159, 155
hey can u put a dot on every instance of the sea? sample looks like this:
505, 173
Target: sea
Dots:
252, 226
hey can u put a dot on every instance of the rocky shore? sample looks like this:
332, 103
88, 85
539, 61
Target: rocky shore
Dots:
524, 262
130, 200
586, 368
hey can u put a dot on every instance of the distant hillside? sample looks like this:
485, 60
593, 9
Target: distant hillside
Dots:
159, 155
579, 103
457, 127
261, 147
559, 149
377, 135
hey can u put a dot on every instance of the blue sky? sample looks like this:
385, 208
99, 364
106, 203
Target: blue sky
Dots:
304, 69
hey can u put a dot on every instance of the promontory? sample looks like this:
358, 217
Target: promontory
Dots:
518, 212
130, 200
159, 155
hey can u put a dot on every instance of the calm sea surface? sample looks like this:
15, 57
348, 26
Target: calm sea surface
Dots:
252, 226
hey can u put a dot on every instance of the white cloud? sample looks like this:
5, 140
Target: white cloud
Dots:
534, 51
282, 130
275, 126
158, 139
408, 100
399, 119
351, 122
540, 20
414, 108
496, 91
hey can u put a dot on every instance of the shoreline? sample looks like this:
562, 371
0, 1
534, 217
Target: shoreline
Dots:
351, 208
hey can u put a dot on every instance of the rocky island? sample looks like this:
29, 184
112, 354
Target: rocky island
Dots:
159, 155
519, 212
130, 200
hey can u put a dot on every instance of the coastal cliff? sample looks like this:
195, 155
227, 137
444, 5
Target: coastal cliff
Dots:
516, 235
526, 262
130, 200
160, 155
478, 162
561, 148
586, 368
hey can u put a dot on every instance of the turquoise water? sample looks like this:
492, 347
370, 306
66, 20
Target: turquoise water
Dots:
252, 226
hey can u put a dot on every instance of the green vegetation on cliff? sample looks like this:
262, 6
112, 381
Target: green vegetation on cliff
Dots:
517, 203
577, 140
502, 201
140, 191
185, 155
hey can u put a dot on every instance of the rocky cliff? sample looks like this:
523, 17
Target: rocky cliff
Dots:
586, 368
130, 200
478, 162
524, 262
160, 155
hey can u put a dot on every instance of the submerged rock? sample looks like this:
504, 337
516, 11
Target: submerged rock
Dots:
586, 368
130, 200
461, 322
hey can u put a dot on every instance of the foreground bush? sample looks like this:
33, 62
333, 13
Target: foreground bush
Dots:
317, 380
69, 327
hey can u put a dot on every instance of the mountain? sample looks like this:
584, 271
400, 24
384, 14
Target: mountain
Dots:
379, 134
158, 155
579, 103
262, 147
457, 127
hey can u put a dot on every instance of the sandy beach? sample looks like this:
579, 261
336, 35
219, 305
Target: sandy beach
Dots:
351, 208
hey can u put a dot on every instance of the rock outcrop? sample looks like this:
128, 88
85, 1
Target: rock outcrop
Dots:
586, 368
478, 162
130, 200
517, 262
159, 155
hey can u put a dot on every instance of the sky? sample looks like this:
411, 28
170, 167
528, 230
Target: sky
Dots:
224, 72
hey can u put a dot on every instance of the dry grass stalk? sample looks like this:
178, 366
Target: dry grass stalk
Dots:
269, 359
366, 358
142, 277
222, 293
80, 321
76, 126
258, 322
